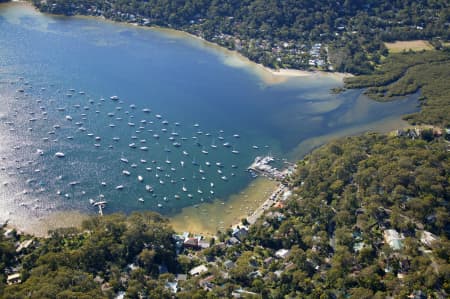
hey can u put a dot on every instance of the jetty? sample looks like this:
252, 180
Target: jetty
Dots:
101, 205
261, 166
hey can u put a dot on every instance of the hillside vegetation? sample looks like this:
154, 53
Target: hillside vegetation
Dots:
347, 34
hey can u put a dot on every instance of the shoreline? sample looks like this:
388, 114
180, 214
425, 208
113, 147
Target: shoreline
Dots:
229, 57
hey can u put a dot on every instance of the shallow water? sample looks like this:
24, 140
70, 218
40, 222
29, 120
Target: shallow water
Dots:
182, 79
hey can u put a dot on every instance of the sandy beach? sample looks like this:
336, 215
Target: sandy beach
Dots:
208, 218
40, 226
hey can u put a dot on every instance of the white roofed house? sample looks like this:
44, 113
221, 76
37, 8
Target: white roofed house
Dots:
198, 270
282, 253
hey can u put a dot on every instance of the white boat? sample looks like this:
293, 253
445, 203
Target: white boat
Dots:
208, 163
143, 148
255, 147
140, 178
114, 98
184, 188
59, 154
132, 145
185, 153
146, 110
158, 116
226, 144
119, 187
236, 136
116, 138
68, 117
140, 199
124, 160
148, 188
182, 163
224, 178
143, 161
125, 172
235, 151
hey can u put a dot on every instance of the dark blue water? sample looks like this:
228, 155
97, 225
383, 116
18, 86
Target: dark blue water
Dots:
180, 79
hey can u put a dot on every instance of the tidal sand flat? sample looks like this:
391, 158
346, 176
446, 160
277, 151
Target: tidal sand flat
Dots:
220, 215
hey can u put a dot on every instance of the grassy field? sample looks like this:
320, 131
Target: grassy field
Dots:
414, 45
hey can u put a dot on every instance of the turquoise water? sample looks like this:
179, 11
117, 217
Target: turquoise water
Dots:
183, 81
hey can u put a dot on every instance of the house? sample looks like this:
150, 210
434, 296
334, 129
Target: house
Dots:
172, 286
428, 238
198, 270
191, 243
268, 260
203, 244
228, 264
393, 239
24, 245
233, 241
206, 283
282, 253
240, 233
13, 278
